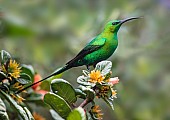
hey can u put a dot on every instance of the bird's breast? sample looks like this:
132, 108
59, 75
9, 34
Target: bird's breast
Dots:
109, 47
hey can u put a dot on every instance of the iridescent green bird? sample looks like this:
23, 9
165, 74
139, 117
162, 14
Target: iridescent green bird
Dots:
100, 48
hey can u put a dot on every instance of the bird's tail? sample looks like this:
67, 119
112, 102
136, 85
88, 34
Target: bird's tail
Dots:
60, 70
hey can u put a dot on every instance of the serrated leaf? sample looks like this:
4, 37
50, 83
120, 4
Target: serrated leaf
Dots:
77, 114
104, 67
17, 107
109, 102
29, 70
58, 104
83, 80
2, 76
24, 79
64, 89
3, 113
5, 56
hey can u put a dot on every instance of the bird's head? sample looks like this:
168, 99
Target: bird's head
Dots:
114, 25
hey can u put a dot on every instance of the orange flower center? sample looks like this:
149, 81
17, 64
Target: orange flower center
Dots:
95, 76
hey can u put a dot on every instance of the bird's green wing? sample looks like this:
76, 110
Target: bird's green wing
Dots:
91, 47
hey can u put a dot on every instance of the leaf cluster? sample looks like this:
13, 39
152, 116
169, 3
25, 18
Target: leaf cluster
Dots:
14, 77
63, 97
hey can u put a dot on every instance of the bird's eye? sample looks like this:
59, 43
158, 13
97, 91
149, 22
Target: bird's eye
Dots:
115, 23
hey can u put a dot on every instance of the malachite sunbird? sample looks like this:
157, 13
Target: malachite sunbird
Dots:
100, 48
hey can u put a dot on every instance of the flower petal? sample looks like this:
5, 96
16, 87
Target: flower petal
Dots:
114, 80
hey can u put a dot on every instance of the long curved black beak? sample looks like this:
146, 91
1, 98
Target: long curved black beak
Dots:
128, 19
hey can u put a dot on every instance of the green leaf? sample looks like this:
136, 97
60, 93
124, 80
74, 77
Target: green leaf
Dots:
3, 113
17, 107
5, 87
90, 94
45, 85
80, 94
77, 114
83, 80
5, 56
109, 102
2, 76
29, 70
55, 115
58, 104
88, 115
85, 72
24, 79
64, 89
30, 117
15, 30
35, 98
104, 67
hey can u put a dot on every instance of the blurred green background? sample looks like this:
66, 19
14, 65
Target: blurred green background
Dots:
46, 34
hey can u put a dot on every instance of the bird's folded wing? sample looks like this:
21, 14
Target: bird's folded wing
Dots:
91, 47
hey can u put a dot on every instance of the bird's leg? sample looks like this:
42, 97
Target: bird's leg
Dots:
88, 67
94, 65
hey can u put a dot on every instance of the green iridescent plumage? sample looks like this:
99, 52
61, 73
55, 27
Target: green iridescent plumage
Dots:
100, 48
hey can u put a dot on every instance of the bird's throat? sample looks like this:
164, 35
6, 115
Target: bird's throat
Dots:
115, 36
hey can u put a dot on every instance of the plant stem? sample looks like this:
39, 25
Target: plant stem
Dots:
84, 103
